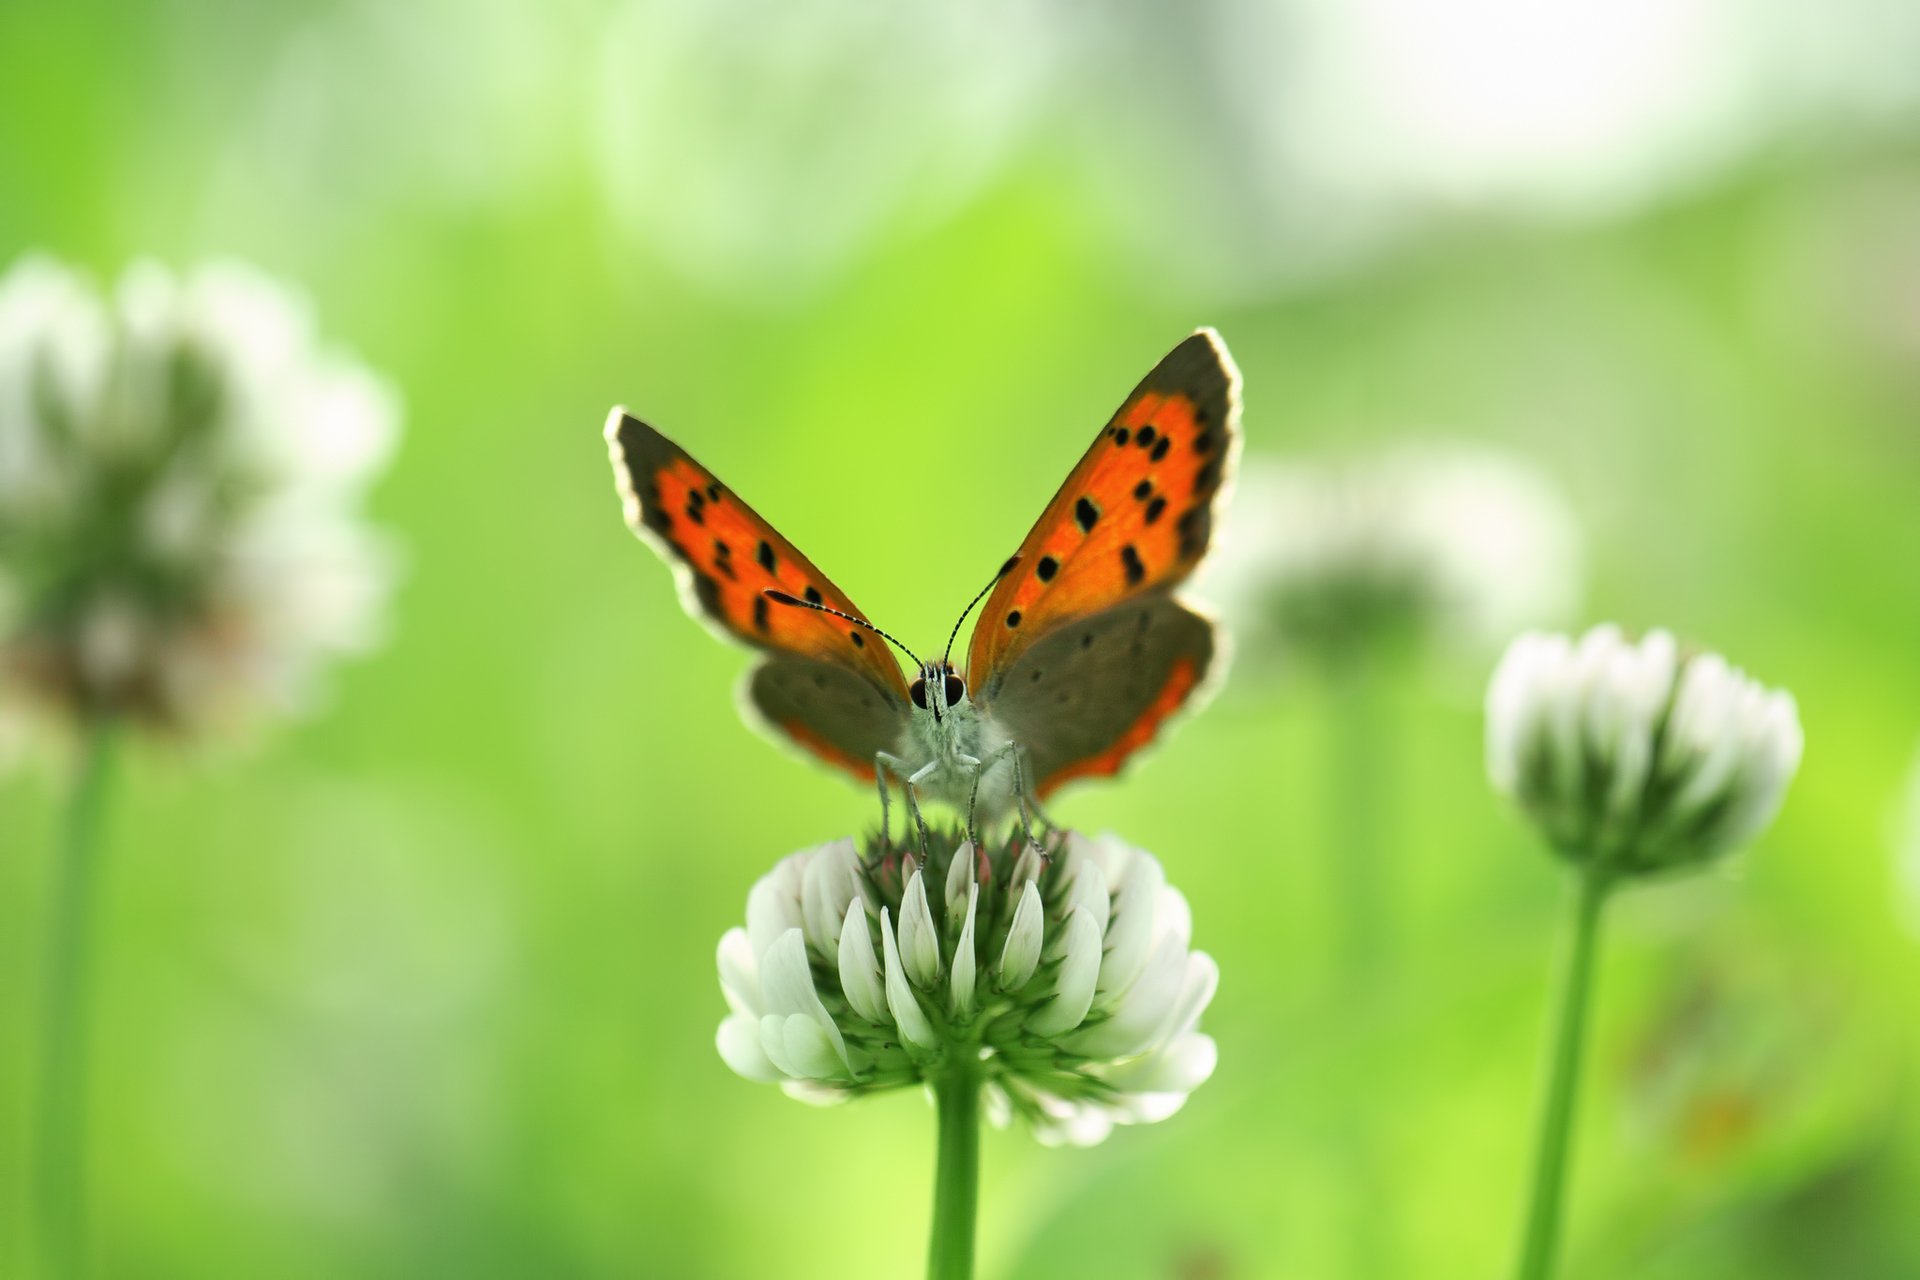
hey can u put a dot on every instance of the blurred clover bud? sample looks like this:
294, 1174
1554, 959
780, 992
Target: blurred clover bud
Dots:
1635, 758
1448, 546
181, 471
1066, 976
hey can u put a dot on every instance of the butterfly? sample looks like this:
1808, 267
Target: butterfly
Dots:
1081, 653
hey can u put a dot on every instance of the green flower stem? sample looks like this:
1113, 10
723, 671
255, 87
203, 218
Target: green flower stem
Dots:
1538, 1249
60, 1169
956, 1188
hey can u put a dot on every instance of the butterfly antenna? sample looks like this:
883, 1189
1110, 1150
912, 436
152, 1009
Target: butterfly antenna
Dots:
781, 597
953, 635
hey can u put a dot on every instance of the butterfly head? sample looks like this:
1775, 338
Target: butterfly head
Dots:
938, 688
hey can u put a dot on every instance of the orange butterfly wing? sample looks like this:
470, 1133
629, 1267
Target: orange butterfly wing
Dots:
727, 558
1132, 520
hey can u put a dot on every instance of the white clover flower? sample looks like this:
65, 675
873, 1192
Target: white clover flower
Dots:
1449, 545
181, 472
1067, 978
1637, 758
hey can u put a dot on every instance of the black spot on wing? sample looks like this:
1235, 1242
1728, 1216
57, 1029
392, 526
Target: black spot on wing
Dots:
1160, 450
1136, 568
1142, 489
812, 593
1086, 514
1013, 619
1047, 567
1120, 435
1147, 436
1156, 509
760, 613
764, 554
1195, 524
859, 641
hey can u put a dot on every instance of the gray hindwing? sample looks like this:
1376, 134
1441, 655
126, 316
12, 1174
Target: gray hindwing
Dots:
1075, 694
829, 704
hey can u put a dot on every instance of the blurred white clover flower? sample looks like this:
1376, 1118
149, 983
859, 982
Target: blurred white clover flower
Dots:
181, 472
1637, 758
1444, 545
740, 109
1067, 978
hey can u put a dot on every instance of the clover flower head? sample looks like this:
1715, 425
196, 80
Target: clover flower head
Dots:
181, 469
1638, 757
1452, 546
1062, 976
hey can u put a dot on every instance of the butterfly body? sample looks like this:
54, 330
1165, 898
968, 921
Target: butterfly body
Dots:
950, 750
1081, 653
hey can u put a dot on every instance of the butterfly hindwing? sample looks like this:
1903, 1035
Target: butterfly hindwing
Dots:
727, 557
831, 712
1085, 697
1135, 515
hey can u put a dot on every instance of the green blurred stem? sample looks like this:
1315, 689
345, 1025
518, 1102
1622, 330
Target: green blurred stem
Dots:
1539, 1246
1361, 800
61, 1130
956, 1188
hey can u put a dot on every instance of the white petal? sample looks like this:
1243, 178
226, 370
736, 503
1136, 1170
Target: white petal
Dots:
1089, 892
860, 978
963, 959
919, 936
1079, 970
1642, 692
773, 905
738, 1040
1021, 954
1027, 867
1137, 1018
1196, 993
739, 973
998, 1108
907, 1014
814, 1093
832, 880
816, 1055
1514, 705
959, 880
786, 985
1132, 934
773, 1043
1181, 1067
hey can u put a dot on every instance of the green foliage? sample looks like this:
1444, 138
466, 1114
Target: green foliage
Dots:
426, 987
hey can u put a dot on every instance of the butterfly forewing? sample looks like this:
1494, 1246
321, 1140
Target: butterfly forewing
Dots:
1134, 517
829, 685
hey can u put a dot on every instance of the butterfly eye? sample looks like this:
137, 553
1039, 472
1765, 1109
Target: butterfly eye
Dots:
956, 688
918, 692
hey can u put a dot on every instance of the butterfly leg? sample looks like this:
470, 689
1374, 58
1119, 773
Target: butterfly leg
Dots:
973, 798
910, 784
880, 784
1028, 802
980, 768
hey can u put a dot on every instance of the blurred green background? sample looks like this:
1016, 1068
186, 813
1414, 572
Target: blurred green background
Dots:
425, 986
